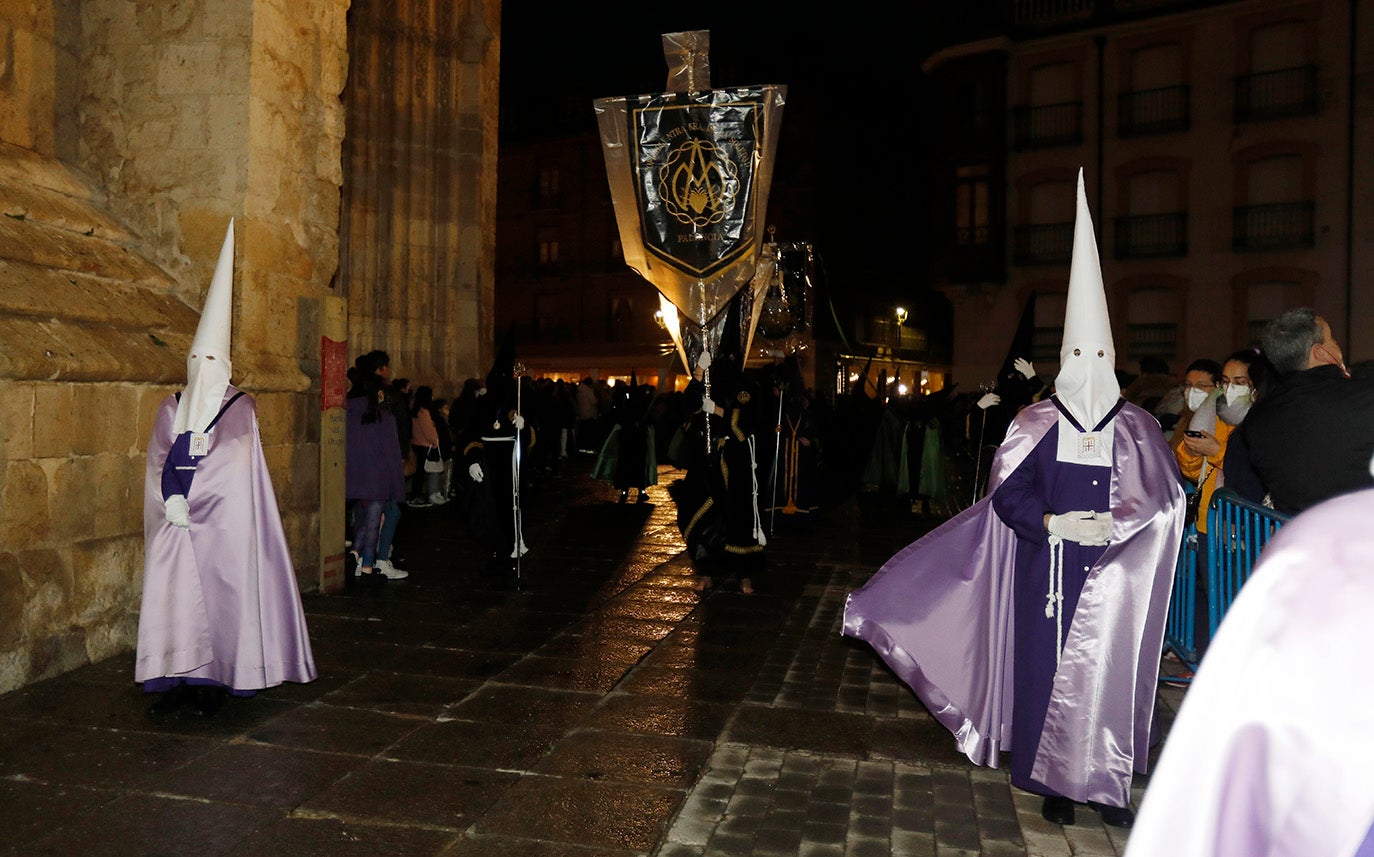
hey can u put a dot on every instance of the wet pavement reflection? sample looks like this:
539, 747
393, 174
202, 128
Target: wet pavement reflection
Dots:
597, 706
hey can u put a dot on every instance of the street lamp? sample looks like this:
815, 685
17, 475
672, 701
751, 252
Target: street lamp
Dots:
901, 315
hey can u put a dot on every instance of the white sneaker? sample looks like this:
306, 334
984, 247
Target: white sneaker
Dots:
437, 499
389, 571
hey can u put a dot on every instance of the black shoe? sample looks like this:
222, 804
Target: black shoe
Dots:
1057, 810
1114, 816
209, 699
169, 701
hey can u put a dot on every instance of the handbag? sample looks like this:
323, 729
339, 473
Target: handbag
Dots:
434, 462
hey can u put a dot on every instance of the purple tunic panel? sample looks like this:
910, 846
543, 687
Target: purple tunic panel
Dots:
1043, 485
220, 600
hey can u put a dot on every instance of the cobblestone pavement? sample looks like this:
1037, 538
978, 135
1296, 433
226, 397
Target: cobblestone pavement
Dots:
599, 706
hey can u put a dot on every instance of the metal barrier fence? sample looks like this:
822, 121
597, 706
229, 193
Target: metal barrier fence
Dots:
1237, 531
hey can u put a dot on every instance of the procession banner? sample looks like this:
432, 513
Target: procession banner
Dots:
689, 173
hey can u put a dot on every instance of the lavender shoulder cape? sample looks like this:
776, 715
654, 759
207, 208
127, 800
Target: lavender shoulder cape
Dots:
220, 601
939, 613
1273, 750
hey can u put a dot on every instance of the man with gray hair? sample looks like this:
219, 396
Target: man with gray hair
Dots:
1311, 438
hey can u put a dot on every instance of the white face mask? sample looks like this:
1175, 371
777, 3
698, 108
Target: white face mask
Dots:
1236, 393
1195, 398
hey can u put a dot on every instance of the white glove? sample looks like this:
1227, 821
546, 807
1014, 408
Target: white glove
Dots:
481, 391
1087, 528
1025, 367
704, 361
519, 422
475, 471
708, 406
178, 511
989, 400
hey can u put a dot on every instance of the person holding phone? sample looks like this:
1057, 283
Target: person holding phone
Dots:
1201, 448
1201, 451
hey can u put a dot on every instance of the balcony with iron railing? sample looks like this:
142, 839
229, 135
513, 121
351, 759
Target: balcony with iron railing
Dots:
889, 333
1045, 345
1152, 340
1046, 126
1043, 244
1045, 16
1151, 236
1277, 94
1153, 111
1277, 226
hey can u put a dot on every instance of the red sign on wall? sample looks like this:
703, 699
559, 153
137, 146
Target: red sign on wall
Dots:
333, 373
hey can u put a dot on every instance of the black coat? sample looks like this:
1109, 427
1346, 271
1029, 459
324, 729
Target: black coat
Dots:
1312, 437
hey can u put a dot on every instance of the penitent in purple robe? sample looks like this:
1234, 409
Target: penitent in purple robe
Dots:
1272, 752
949, 613
220, 600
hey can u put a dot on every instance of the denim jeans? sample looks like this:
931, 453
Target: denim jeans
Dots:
391, 516
367, 527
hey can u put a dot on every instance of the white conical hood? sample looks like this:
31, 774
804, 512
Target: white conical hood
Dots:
1087, 383
207, 366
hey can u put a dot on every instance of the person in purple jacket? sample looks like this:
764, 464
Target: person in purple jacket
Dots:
373, 476
1033, 621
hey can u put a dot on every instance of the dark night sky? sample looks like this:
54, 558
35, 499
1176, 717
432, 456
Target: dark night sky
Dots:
853, 127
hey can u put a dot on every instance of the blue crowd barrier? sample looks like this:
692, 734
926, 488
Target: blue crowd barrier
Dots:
1180, 631
1237, 531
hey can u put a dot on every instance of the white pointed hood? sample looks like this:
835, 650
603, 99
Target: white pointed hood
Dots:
207, 366
1087, 384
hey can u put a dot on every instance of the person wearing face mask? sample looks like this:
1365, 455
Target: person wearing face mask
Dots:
1032, 622
1216, 408
1201, 381
1200, 450
1312, 435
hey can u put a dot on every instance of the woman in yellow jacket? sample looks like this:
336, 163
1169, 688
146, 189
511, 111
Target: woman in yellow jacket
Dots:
1200, 452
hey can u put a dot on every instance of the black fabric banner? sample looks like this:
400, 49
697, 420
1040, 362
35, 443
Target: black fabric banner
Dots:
694, 158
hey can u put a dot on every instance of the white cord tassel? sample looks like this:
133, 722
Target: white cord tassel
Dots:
759, 537
1054, 598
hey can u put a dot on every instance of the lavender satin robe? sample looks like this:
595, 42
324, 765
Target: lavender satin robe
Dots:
940, 614
220, 600
1272, 753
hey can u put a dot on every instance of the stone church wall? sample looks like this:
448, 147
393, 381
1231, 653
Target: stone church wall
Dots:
130, 132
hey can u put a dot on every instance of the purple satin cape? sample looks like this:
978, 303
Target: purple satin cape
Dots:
939, 613
1272, 752
220, 601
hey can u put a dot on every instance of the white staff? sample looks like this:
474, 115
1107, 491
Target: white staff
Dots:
518, 549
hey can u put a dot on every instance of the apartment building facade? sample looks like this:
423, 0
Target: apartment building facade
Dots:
1226, 149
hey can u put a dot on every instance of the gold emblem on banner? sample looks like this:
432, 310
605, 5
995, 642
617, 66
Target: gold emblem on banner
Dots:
697, 184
